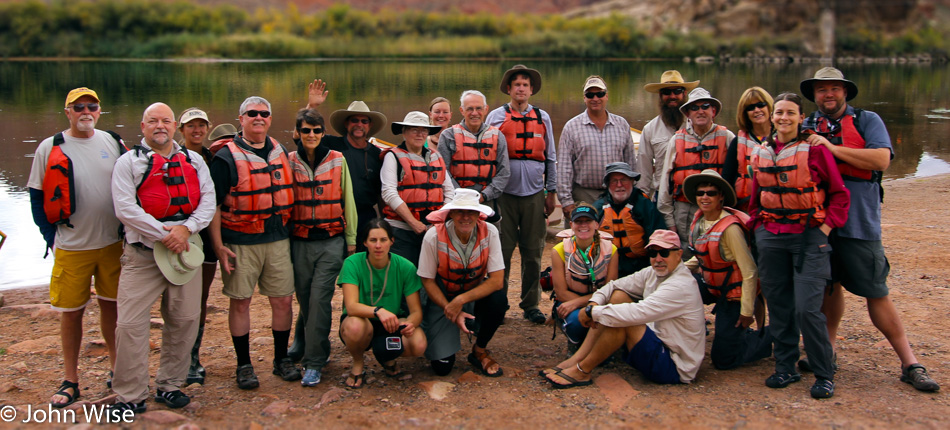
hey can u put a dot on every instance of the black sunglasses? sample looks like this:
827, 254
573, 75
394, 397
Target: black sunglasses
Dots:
668, 91
254, 113
652, 253
359, 120
78, 107
760, 105
695, 108
710, 193
592, 94
305, 130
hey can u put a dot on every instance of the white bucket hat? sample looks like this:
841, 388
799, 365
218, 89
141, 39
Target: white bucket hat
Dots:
699, 94
415, 119
466, 200
180, 268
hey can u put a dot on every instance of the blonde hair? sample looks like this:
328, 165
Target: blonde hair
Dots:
751, 96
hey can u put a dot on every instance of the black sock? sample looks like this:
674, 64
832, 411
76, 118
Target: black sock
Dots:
242, 347
281, 339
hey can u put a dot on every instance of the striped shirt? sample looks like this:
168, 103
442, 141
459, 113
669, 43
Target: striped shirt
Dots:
584, 152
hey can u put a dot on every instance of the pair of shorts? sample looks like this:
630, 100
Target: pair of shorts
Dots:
860, 266
378, 342
266, 265
72, 270
652, 358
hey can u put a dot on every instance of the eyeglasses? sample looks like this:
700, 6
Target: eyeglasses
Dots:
305, 130
78, 107
415, 130
254, 113
752, 107
359, 120
695, 108
592, 94
710, 193
652, 253
668, 91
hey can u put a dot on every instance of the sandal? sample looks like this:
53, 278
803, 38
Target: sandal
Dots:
483, 361
70, 397
391, 370
357, 381
571, 381
551, 370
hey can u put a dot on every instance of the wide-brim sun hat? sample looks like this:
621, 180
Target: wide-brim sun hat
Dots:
807, 87
181, 268
622, 168
520, 68
339, 117
670, 79
699, 94
222, 131
415, 119
464, 199
709, 176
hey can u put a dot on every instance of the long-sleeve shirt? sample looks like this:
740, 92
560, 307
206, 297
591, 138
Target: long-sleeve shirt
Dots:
664, 199
734, 247
654, 144
528, 177
498, 183
585, 150
141, 227
671, 306
390, 178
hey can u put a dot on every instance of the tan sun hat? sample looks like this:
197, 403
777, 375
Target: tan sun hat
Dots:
222, 131
520, 68
711, 176
180, 268
807, 86
670, 79
339, 117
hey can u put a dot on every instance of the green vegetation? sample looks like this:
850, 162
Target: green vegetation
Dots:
3, 351
163, 29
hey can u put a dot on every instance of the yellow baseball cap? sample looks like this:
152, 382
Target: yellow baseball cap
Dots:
79, 92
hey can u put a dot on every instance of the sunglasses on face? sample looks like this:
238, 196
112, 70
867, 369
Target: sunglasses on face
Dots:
710, 193
752, 107
359, 120
652, 253
668, 91
305, 130
592, 94
78, 107
254, 113
695, 108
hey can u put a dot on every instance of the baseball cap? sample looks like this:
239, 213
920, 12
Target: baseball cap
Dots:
76, 93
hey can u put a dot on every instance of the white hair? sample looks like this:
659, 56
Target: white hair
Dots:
467, 93
253, 100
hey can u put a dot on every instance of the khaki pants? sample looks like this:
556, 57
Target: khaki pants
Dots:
140, 284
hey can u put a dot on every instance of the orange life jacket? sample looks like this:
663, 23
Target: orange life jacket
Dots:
475, 159
169, 190
627, 232
582, 276
454, 276
420, 181
846, 133
693, 156
720, 275
318, 196
59, 187
787, 193
524, 134
745, 144
264, 188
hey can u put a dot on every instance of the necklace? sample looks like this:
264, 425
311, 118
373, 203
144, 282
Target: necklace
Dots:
385, 281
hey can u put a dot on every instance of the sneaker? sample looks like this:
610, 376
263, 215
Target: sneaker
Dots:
173, 399
118, 409
286, 369
916, 375
535, 316
246, 378
311, 377
781, 380
823, 388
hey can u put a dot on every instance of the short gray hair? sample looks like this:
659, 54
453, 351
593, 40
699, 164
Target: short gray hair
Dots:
253, 100
467, 93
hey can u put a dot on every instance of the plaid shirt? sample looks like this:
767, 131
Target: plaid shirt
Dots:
584, 151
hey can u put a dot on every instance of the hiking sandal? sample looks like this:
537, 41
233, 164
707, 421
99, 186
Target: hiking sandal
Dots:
70, 397
391, 371
357, 381
483, 361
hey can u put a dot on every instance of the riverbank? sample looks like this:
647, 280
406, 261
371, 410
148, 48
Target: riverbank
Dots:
869, 393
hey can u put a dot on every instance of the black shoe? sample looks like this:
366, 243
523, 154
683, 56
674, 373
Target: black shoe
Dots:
916, 375
173, 399
781, 380
196, 374
246, 378
119, 408
535, 316
823, 388
804, 366
286, 369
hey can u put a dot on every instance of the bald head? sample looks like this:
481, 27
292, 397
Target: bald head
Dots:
158, 127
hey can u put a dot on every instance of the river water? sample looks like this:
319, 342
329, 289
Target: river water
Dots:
914, 101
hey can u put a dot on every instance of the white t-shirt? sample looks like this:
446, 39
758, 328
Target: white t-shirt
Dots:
94, 222
429, 257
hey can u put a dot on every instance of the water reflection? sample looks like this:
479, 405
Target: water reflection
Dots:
930, 166
21, 258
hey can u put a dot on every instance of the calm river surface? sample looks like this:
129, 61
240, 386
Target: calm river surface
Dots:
913, 100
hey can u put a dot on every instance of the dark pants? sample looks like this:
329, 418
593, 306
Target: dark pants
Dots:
523, 225
407, 244
628, 266
364, 214
734, 346
444, 336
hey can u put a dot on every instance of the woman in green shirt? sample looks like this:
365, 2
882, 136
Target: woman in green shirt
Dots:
375, 283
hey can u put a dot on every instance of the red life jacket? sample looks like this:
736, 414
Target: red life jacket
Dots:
318, 197
627, 232
419, 185
59, 188
720, 275
693, 156
577, 270
264, 188
745, 144
453, 276
524, 134
846, 133
475, 158
787, 193
169, 190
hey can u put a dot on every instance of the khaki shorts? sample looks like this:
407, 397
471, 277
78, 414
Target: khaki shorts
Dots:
72, 270
267, 265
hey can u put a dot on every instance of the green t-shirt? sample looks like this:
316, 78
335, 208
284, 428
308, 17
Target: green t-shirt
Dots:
402, 282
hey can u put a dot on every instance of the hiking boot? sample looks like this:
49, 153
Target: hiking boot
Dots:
286, 369
196, 372
823, 388
781, 380
173, 399
295, 352
535, 316
246, 378
916, 375
118, 409
311, 377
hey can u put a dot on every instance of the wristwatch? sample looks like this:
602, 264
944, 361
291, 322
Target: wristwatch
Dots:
376, 311
588, 310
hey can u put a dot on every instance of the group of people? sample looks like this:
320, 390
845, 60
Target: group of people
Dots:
420, 236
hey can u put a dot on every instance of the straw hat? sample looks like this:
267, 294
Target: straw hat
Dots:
670, 79
338, 118
709, 176
520, 68
698, 94
807, 86
466, 200
415, 119
180, 268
